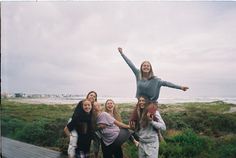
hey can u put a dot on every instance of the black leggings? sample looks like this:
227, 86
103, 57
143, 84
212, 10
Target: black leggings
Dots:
133, 137
111, 150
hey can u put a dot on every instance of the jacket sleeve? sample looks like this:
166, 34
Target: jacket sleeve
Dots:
131, 65
160, 124
71, 125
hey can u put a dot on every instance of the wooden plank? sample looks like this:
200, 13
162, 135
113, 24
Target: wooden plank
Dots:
16, 149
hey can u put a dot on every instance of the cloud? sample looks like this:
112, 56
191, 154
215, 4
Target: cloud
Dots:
71, 47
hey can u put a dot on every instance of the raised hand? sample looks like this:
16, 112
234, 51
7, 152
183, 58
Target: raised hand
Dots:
184, 88
120, 50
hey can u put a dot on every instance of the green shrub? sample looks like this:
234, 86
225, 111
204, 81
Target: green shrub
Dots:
125, 115
34, 133
130, 150
226, 146
43, 125
188, 144
175, 121
62, 143
42, 132
225, 123
11, 126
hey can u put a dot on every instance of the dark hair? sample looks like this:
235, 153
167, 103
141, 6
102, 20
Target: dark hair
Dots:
150, 108
137, 114
83, 120
92, 92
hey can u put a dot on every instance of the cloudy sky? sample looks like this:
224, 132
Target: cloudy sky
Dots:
71, 47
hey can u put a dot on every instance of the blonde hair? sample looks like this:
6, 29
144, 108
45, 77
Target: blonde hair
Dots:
150, 74
115, 113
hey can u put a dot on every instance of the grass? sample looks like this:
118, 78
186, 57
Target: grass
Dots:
198, 130
31, 112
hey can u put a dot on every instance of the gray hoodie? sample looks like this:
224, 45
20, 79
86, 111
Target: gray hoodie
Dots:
149, 134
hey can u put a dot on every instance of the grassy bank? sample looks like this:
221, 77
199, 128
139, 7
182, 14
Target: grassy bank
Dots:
199, 130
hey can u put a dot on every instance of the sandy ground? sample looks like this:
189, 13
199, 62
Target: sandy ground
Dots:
231, 110
50, 101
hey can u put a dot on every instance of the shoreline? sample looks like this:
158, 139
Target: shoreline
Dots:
61, 101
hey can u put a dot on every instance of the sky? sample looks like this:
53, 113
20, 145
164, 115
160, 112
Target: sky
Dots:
70, 47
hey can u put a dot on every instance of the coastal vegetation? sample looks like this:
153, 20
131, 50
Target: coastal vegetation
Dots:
194, 130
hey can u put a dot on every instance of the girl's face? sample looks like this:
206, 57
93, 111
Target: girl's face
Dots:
110, 105
92, 97
141, 102
96, 106
146, 67
87, 106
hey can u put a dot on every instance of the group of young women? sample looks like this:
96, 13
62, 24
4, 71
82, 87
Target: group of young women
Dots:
90, 124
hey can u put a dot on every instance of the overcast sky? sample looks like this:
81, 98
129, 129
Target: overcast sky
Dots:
71, 47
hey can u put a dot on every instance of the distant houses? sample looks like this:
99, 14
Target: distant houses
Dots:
14, 95
24, 95
7, 95
20, 95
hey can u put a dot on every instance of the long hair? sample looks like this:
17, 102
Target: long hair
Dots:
94, 93
150, 108
94, 117
91, 113
84, 119
116, 114
150, 74
138, 113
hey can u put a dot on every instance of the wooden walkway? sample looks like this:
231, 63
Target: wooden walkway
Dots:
16, 149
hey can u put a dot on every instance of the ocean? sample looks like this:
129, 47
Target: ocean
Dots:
75, 100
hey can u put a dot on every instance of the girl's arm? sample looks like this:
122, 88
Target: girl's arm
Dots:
71, 125
172, 85
101, 126
169, 84
106, 119
121, 125
129, 62
67, 132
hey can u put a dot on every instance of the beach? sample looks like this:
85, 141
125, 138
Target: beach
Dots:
75, 100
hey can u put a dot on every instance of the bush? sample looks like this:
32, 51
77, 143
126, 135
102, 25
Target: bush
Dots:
175, 121
11, 126
130, 150
40, 132
34, 133
125, 115
202, 121
225, 123
62, 143
185, 145
226, 146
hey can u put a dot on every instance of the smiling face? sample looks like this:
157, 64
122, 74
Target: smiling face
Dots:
109, 106
146, 70
96, 106
146, 67
87, 106
141, 102
92, 97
